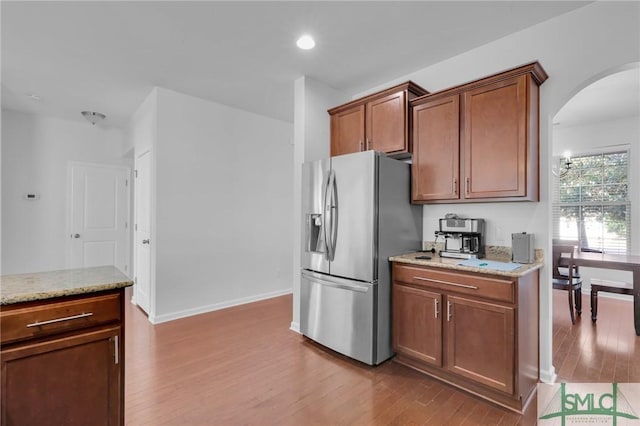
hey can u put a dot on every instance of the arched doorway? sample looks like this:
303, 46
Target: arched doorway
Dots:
600, 122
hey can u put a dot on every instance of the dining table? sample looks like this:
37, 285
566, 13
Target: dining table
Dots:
621, 262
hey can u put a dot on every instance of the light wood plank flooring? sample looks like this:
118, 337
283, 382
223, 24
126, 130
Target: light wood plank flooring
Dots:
244, 366
605, 351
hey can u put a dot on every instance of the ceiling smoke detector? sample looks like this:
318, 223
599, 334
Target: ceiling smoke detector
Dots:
93, 117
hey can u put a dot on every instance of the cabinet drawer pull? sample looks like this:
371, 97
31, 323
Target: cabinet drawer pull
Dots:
435, 308
473, 287
82, 315
448, 311
116, 349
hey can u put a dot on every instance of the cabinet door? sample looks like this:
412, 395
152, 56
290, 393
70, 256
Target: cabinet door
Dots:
480, 342
495, 139
73, 380
436, 150
417, 324
347, 131
387, 124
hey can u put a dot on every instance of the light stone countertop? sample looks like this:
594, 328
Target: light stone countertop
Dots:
449, 263
68, 282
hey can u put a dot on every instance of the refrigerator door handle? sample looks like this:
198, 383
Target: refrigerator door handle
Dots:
335, 282
324, 217
329, 215
334, 216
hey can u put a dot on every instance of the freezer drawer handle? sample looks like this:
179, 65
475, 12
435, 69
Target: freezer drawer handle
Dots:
473, 287
82, 315
331, 283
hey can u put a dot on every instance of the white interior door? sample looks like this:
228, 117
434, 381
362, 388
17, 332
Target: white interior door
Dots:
98, 216
142, 245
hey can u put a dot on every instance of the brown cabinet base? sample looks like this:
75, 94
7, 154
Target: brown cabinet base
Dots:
69, 370
518, 405
476, 331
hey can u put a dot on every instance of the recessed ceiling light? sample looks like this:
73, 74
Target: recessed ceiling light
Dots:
305, 42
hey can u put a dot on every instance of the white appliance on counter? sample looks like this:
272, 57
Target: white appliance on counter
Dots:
357, 213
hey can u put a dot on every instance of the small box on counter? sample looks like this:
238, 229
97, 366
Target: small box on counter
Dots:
522, 248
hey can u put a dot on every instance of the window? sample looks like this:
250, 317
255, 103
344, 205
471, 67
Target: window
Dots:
591, 203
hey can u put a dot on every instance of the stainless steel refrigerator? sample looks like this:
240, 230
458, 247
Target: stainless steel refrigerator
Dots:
357, 212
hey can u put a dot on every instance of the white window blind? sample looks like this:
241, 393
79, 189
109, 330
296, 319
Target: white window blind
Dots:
591, 203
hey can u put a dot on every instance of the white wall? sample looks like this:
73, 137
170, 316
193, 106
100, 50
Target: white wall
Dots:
35, 153
573, 48
223, 196
311, 135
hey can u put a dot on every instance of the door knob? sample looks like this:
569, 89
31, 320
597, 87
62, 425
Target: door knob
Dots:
76, 235
145, 241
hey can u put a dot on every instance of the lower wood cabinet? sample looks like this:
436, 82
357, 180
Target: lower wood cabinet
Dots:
475, 331
417, 329
480, 343
69, 371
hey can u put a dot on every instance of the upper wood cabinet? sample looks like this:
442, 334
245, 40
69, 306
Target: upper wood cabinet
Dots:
436, 149
479, 141
347, 131
379, 122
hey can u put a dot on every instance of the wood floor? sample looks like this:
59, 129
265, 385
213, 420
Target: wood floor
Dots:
607, 351
243, 366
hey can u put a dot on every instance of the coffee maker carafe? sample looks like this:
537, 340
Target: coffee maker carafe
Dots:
463, 238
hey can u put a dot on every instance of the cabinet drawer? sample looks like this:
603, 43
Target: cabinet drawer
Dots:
476, 285
19, 322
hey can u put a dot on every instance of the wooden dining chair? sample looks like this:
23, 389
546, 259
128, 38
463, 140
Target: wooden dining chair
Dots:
563, 258
574, 243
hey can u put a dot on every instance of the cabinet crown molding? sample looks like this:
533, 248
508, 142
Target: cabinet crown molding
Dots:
538, 75
408, 85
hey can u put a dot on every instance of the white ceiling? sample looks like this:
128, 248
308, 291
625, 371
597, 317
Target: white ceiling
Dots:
107, 56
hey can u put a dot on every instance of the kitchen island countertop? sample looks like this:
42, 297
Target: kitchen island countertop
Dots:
67, 282
448, 263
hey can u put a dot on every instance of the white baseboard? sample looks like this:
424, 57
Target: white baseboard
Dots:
549, 376
158, 319
295, 326
627, 297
